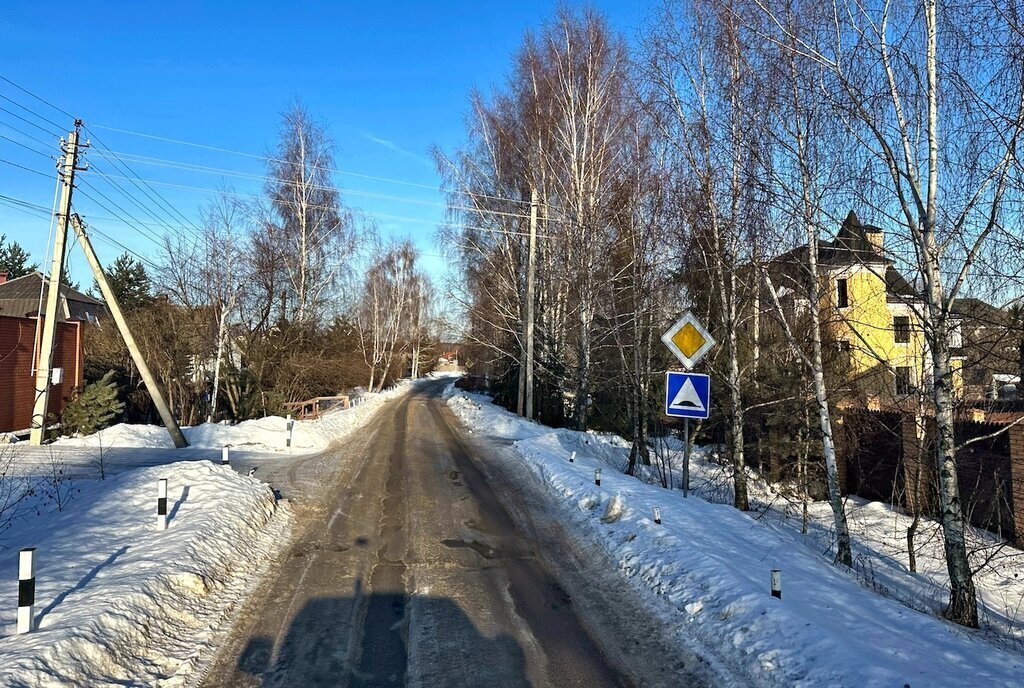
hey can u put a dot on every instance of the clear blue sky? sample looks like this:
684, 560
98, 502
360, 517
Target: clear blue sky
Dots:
389, 79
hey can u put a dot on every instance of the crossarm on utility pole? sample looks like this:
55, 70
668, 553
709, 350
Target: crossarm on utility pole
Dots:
122, 325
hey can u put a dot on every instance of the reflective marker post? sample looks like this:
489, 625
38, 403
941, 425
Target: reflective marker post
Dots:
161, 504
27, 590
777, 583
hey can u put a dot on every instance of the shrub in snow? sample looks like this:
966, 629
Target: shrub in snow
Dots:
94, 407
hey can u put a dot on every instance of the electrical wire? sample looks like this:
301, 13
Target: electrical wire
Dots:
133, 223
41, 212
125, 167
26, 121
348, 192
165, 206
22, 167
143, 207
39, 98
28, 136
26, 147
262, 157
267, 158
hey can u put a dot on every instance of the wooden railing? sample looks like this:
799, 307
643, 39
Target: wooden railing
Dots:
317, 406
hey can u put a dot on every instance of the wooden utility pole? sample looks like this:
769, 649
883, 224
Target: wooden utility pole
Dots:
531, 268
46, 345
122, 325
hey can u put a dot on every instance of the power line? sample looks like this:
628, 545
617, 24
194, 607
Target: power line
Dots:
144, 208
26, 121
385, 216
125, 167
39, 98
42, 212
22, 167
268, 158
262, 157
28, 136
26, 147
132, 224
206, 189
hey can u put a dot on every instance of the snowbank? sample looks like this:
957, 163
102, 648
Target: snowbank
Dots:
118, 601
706, 571
267, 434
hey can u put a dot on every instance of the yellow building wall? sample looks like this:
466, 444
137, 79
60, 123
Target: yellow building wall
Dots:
867, 323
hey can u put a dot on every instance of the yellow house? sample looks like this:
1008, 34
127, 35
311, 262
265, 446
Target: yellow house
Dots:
871, 316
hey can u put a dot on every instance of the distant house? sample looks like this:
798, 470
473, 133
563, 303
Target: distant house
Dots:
993, 349
20, 329
871, 313
20, 298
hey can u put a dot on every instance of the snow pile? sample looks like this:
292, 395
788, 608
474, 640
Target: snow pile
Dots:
706, 571
267, 434
118, 601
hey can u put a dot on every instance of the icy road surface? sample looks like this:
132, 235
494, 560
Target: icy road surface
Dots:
409, 570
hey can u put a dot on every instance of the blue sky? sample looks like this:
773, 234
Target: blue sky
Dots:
389, 79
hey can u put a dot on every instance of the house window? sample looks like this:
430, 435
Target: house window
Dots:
901, 329
903, 380
842, 295
956, 337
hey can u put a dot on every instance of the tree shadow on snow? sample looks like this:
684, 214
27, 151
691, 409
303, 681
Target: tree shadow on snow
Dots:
86, 579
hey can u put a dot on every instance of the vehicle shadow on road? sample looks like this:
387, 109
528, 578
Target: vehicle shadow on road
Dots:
317, 651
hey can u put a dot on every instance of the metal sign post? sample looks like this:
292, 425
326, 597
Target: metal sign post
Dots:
686, 457
687, 395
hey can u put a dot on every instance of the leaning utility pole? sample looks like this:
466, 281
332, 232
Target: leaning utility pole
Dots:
122, 325
531, 268
50, 315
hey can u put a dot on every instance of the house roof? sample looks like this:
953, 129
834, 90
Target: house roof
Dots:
853, 245
20, 297
980, 311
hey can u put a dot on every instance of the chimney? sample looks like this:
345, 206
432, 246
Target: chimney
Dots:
3, 277
875, 237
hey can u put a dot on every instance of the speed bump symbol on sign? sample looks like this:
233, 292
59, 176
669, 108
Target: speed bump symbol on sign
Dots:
688, 340
687, 395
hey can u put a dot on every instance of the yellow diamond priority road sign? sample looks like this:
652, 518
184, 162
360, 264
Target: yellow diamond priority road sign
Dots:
688, 340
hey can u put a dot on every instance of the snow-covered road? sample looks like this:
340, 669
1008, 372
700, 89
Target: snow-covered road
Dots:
410, 570
705, 571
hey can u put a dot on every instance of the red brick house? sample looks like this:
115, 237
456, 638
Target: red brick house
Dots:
20, 330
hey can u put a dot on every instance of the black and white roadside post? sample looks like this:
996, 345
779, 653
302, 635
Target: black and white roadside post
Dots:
27, 590
687, 395
597, 477
572, 457
291, 425
777, 583
161, 504
657, 515
225, 455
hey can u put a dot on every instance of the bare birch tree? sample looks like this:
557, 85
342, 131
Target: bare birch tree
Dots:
932, 97
312, 230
